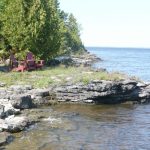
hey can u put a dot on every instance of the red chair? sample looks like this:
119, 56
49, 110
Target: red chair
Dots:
30, 61
40, 64
17, 65
13, 62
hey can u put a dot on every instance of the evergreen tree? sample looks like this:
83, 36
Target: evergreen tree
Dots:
32, 25
39, 26
3, 41
73, 34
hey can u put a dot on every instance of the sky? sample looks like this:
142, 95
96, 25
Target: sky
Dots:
112, 23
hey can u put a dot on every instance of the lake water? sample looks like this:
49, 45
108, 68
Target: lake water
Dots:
95, 127
85, 127
135, 62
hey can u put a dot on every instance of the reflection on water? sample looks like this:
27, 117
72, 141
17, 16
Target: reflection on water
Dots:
83, 127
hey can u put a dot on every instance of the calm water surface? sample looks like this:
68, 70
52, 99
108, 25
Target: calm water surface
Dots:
84, 127
134, 62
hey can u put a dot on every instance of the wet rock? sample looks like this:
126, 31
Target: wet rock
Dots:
8, 109
5, 138
14, 123
1, 111
21, 101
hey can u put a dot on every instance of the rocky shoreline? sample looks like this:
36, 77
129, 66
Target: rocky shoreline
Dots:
86, 59
17, 98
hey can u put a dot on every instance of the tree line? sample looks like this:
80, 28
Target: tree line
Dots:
39, 26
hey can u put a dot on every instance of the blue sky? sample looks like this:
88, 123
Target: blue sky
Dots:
112, 23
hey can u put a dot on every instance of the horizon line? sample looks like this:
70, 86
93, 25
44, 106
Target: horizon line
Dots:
117, 47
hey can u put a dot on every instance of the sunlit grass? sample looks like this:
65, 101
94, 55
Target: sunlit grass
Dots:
54, 76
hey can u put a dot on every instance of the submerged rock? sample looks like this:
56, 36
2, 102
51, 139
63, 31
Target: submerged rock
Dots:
5, 138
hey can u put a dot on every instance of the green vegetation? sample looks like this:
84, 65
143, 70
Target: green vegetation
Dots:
39, 26
56, 76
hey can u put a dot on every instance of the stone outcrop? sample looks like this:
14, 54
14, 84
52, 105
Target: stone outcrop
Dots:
17, 98
22, 96
86, 59
13, 100
104, 92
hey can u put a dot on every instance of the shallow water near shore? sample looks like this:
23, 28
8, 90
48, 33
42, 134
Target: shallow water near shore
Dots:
88, 127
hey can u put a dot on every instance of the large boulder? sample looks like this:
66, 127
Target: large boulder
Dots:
21, 101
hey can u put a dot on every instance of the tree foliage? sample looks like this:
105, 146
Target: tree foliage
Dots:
73, 34
38, 26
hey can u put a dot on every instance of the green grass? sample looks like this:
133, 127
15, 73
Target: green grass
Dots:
54, 76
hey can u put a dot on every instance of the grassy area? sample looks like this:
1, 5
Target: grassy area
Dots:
55, 76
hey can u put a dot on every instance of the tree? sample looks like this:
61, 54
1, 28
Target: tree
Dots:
39, 26
72, 34
32, 25
3, 41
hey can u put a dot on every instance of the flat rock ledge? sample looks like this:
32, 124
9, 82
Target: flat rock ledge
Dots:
104, 92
